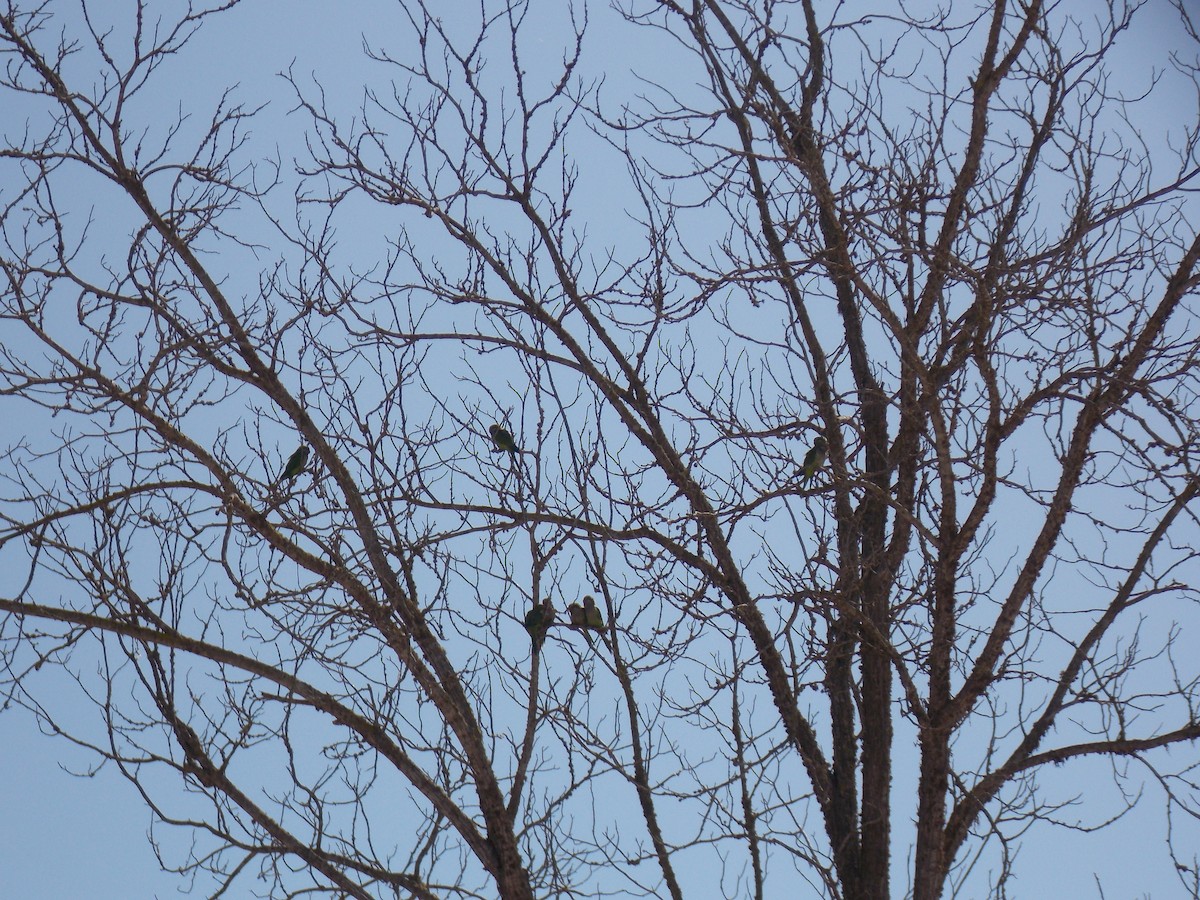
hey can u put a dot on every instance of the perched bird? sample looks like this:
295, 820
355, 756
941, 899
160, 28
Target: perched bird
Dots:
578, 616
534, 624
502, 439
814, 458
538, 621
591, 613
295, 464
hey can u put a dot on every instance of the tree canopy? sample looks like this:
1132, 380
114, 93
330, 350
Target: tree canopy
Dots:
846, 356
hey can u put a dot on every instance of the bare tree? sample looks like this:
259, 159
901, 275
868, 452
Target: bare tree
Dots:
847, 360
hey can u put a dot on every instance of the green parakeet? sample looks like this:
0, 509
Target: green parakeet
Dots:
502, 440
579, 621
295, 464
538, 621
814, 458
534, 620
591, 613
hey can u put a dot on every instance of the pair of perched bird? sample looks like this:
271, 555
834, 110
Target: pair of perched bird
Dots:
503, 441
585, 618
